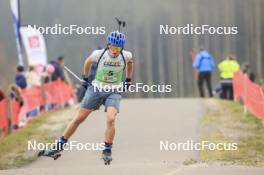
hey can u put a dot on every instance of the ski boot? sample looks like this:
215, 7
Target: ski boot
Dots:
107, 154
55, 151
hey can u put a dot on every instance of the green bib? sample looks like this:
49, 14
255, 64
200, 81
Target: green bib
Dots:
110, 70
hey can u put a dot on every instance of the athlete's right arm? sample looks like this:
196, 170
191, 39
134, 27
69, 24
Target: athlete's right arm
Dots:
93, 58
87, 65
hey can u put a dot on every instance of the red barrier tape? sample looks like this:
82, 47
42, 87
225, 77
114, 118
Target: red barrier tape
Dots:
4, 116
251, 94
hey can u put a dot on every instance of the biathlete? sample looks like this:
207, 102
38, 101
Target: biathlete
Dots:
113, 63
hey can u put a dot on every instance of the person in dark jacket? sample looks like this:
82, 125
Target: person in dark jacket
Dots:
204, 63
20, 78
58, 66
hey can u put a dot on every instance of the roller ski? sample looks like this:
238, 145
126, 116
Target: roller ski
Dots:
55, 151
107, 154
49, 153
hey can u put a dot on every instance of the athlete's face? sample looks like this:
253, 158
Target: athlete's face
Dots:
114, 51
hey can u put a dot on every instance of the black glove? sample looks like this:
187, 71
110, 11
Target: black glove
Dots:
86, 83
127, 83
83, 88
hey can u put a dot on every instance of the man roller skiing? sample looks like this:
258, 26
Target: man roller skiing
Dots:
113, 63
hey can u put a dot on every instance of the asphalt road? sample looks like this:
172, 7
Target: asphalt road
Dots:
141, 126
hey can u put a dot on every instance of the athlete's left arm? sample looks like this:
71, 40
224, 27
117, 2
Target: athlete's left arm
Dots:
129, 69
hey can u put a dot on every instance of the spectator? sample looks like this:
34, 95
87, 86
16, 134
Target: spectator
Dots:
46, 78
227, 69
33, 79
246, 70
16, 96
58, 72
46, 75
20, 78
204, 63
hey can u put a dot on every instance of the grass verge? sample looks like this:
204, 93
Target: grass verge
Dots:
14, 151
224, 122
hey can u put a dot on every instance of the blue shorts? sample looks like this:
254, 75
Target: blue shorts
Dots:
93, 99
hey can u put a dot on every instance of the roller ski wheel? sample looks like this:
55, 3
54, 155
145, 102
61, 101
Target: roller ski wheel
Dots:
107, 158
49, 153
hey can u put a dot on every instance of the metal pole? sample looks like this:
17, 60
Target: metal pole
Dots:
19, 23
19, 16
120, 23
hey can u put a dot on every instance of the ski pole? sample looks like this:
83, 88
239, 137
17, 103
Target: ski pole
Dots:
73, 74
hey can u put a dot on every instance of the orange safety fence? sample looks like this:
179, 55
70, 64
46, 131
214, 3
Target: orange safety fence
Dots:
68, 92
32, 98
59, 85
15, 110
51, 93
56, 93
250, 93
3, 116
